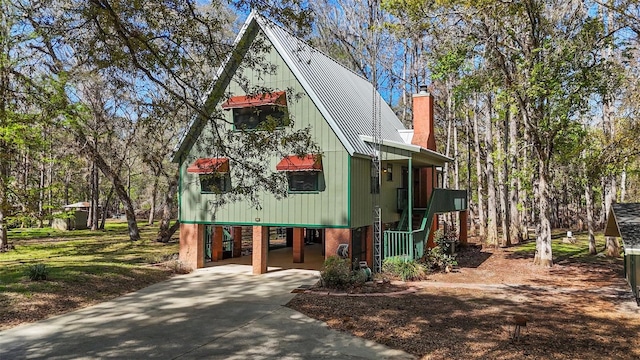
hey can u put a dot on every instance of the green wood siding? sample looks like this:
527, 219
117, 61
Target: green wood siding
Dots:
361, 198
326, 208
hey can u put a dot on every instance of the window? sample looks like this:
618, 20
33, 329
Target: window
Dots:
271, 116
266, 110
303, 181
215, 183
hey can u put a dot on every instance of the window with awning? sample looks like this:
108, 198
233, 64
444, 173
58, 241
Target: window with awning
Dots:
312, 162
268, 110
303, 173
213, 174
278, 98
209, 166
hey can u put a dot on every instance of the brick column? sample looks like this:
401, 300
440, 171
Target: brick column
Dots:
260, 249
216, 245
298, 245
463, 227
192, 245
237, 241
335, 237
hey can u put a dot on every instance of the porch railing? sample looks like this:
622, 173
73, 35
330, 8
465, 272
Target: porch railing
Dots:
411, 244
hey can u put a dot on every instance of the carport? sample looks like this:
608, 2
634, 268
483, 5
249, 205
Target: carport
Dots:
624, 222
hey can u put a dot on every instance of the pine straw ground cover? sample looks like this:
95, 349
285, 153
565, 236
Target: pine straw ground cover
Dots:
84, 268
579, 309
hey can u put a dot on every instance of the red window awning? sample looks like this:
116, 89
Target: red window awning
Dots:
305, 163
244, 101
209, 166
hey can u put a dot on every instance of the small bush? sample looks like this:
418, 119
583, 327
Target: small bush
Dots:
38, 272
404, 269
439, 257
338, 273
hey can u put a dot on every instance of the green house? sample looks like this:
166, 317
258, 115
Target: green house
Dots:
333, 191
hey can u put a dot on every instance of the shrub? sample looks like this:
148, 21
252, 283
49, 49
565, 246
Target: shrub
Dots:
38, 272
338, 273
403, 268
439, 257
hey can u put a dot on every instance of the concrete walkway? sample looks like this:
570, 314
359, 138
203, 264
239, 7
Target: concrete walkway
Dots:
214, 313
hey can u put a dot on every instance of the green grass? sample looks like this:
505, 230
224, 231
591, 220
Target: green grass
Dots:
561, 251
77, 258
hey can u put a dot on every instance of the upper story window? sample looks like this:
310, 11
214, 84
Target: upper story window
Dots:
213, 174
267, 110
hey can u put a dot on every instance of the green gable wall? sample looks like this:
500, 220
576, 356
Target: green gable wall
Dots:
327, 208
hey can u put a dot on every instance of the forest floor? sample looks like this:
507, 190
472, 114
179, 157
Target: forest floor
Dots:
581, 308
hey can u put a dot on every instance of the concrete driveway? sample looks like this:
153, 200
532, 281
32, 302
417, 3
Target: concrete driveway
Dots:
215, 313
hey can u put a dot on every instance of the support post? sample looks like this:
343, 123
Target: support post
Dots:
298, 245
260, 249
218, 236
192, 245
237, 241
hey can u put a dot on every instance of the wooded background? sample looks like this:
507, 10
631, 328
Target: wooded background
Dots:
535, 100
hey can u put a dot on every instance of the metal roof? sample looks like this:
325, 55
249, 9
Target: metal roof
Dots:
344, 98
624, 221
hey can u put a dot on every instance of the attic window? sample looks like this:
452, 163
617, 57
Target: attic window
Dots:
252, 111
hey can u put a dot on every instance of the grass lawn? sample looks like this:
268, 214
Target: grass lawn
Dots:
84, 268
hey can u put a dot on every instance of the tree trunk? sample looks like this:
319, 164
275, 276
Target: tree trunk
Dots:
468, 139
588, 197
514, 217
105, 208
479, 171
95, 197
42, 184
154, 194
4, 204
492, 218
544, 255
502, 185
165, 232
121, 191
623, 184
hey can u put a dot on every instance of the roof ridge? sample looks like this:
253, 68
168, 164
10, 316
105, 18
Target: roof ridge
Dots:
259, 18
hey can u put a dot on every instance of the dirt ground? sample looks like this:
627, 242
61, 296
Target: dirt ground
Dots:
575, 310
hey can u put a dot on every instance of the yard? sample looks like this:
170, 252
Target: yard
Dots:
85, 268
580, 309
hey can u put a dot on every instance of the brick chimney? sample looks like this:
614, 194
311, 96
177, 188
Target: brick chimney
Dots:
424, 136
423, 131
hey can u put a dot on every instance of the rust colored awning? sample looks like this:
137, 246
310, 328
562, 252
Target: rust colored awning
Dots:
295, 163
209, 166
244, 101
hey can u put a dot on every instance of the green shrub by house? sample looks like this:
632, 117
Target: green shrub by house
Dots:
338, 273
404, 269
